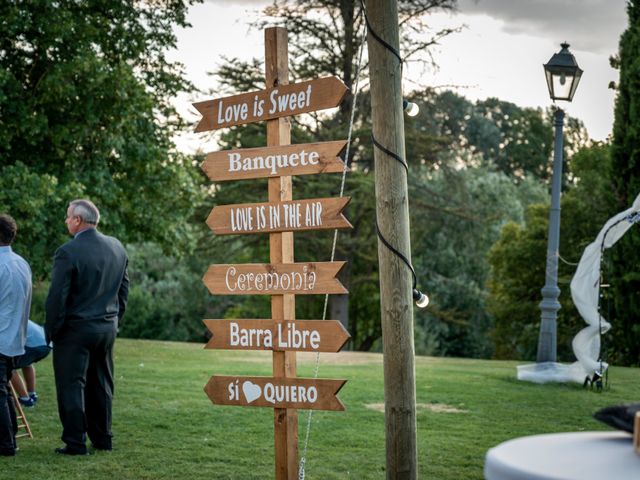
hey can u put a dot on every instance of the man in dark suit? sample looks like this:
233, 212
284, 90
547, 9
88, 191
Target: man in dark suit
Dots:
87, 299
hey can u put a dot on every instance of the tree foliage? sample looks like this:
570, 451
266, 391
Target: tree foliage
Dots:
474, 166
518, 260
624, 273
85, 110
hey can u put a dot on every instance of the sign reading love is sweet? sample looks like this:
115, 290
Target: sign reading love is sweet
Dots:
281, 101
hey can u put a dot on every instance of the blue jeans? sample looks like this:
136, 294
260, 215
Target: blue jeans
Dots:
8, 421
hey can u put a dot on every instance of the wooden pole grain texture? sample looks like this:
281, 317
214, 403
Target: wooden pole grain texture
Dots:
392, 209
281, 251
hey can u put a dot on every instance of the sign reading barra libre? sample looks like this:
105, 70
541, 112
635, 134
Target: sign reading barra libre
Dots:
305, 393
303, 159
298, 335
274, 278
297, 215
281, 101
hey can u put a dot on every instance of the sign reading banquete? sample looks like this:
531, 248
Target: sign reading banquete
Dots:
296, 215
297, 335
281, 101
305, 393
264, 162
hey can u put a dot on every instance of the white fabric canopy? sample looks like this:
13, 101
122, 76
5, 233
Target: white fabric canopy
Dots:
585, 290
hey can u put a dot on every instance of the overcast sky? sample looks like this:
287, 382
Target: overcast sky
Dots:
499, 53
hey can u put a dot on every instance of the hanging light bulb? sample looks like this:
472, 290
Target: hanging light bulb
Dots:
410, 108
421, 299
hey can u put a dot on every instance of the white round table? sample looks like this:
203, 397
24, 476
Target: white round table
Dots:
565, 456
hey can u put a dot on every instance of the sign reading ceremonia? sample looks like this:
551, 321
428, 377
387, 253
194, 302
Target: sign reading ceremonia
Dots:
298, 335
306, 393
281, 101
274, 279
297, 215
264, 162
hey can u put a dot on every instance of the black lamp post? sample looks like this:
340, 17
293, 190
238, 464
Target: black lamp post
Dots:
563, 76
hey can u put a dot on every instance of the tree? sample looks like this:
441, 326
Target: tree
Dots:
624, 274
85, 110
473, 167
327, 35
450, 239
518, 261
517, 141
324, 37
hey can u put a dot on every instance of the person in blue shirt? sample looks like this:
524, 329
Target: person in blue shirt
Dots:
15, 304
36, 349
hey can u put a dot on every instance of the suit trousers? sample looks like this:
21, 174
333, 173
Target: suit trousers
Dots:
83, 368
8, 421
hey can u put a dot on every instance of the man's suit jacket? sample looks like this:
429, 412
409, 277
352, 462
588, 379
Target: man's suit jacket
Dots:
89, 285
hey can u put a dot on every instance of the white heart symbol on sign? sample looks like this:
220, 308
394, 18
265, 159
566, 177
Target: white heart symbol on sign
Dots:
251, 391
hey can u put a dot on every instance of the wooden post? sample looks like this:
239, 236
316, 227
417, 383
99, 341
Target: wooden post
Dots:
281, 251
396, 306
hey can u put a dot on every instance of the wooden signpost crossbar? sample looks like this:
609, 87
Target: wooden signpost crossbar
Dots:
295, 216
267, 334
265, 162
281, 278
274, 279
276, 392
277, 101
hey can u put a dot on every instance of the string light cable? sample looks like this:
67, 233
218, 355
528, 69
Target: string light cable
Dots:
420, 298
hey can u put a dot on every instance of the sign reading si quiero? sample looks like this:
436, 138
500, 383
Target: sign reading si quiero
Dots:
267, 334
296, 215
274, 278
305, 393
281, 101
304, 159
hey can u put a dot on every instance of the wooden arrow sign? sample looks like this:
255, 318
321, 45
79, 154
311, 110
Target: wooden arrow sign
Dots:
281, 101
274, 278
296, 215
303, 159
296, 335
305, 393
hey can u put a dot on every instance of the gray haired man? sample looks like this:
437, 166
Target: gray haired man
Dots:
86, 301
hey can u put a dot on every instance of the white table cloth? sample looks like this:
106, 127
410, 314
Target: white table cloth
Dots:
565, 456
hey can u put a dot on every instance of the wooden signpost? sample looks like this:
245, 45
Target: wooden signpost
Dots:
281, 278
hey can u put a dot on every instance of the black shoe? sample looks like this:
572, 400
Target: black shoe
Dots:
7, 452
104, 448
69, 451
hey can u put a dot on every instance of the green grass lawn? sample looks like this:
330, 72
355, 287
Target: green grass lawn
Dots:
166, 428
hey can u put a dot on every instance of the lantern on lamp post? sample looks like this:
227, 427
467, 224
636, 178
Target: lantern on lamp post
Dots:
563, 75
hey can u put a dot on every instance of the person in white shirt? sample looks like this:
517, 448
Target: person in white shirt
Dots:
15, 304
